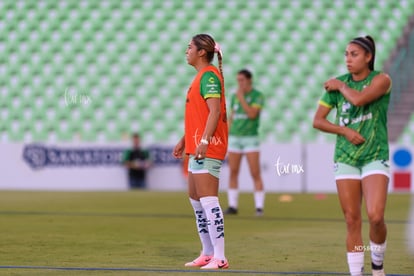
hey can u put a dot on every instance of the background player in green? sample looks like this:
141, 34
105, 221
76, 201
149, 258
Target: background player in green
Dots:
361, 98
137, 160
246, 105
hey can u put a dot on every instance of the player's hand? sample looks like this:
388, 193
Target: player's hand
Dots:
240, 93
353, 136
179, 149
200, 152
333, 85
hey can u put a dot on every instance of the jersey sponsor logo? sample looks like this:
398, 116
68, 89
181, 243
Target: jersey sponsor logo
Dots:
346, 106
361, 118
344, 119
240, 116
212, 87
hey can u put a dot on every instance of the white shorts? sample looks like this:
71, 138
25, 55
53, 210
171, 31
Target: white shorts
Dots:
345, 171
244, 144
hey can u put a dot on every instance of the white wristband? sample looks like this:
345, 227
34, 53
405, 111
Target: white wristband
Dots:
204, 141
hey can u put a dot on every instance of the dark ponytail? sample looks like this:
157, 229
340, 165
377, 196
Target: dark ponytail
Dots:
368, 44
372, 62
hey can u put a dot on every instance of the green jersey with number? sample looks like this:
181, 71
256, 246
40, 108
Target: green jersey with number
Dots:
241, 125
369, 120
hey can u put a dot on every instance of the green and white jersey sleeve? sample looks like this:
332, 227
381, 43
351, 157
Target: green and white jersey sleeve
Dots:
210, 86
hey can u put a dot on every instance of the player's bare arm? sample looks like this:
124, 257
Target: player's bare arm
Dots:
321, 122
179, 149
379, 86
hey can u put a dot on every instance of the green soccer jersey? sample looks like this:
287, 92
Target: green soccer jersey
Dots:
241, 125
369, 120
210, 86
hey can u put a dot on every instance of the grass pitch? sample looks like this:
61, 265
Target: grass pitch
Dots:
151, 233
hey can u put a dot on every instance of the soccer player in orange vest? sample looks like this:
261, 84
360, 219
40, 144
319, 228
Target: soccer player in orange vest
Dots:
205, 141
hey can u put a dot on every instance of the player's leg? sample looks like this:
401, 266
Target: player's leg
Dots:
234, 160
206, 179
375, 189
141, 183
350, 198
132, 182
202, 227
253, 159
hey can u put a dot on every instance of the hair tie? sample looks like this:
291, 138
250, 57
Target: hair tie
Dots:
217, 49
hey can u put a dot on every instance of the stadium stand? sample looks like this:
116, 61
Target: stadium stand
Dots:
96, 70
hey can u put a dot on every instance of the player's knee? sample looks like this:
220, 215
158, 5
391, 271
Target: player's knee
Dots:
256, 177
353, 220
234, 172
376, 218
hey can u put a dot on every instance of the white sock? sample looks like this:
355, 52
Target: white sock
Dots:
377, 254
259, 198
202, 228
233, 198
215, 219
356, 263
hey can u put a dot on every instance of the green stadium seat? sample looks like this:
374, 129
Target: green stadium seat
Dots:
131, 53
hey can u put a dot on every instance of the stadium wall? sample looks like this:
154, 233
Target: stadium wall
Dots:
286, 168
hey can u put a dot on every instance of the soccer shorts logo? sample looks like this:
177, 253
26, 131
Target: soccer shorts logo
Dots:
385, 163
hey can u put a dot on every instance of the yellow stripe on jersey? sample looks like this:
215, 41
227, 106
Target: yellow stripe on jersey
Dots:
325, 104
256, 105
206, 96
